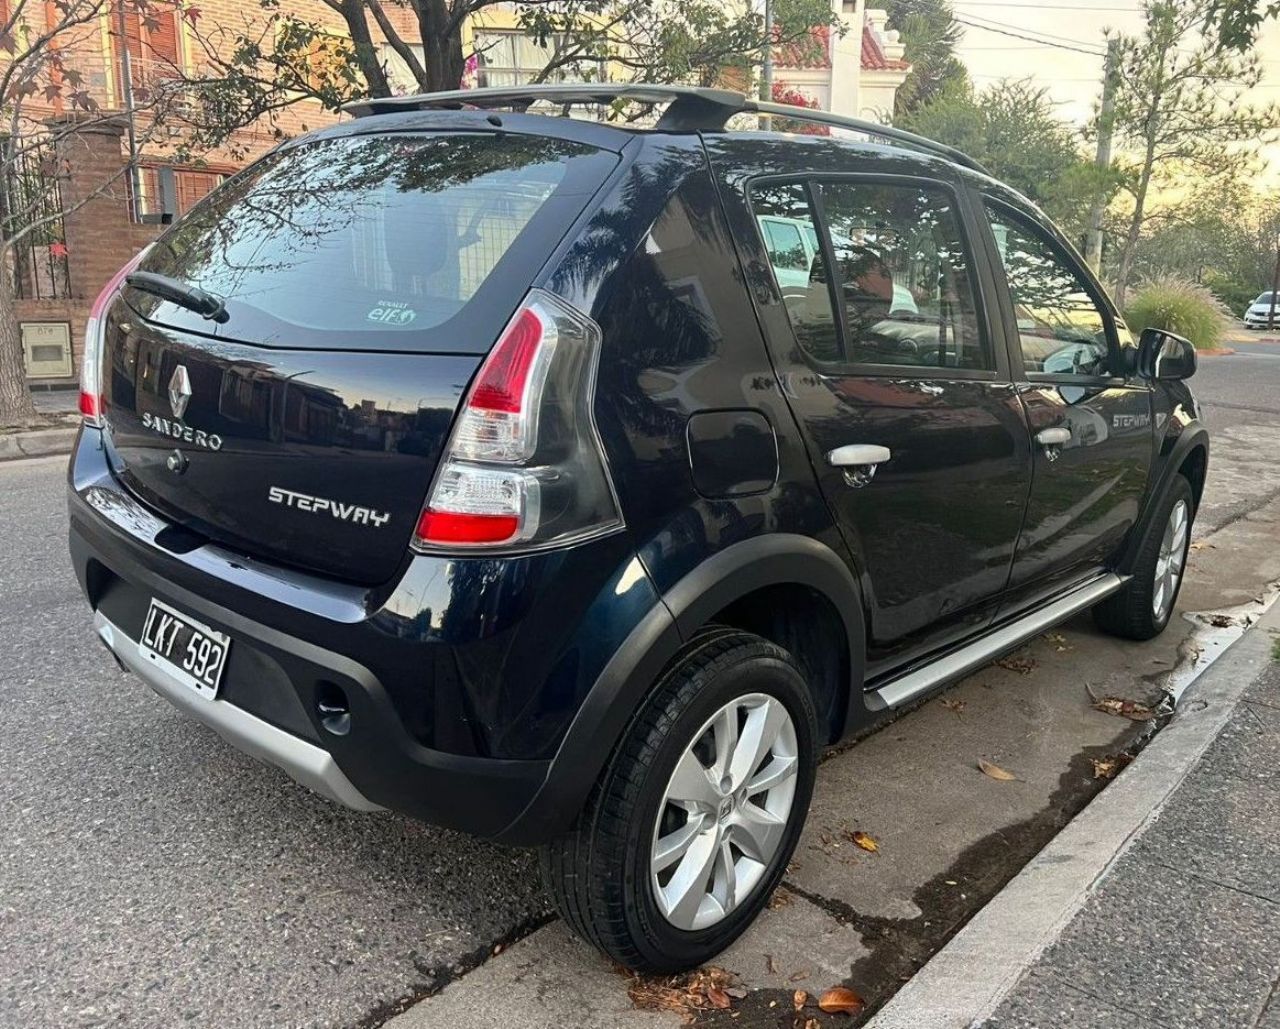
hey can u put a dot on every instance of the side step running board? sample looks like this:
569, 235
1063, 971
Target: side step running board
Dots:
987, 648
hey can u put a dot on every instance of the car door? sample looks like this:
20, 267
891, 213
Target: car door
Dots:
1088, 413
886, 347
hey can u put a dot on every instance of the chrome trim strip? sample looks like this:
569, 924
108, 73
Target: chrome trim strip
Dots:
306, 763
978, 653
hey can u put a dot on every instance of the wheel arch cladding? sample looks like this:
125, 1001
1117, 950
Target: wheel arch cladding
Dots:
1185, 454
734, 583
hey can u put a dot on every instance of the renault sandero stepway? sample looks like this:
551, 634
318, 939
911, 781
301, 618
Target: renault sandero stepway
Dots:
574, 484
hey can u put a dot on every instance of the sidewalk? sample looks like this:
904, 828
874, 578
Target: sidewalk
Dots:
62, 407
1159, 906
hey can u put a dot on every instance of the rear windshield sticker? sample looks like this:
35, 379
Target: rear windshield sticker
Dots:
392, 313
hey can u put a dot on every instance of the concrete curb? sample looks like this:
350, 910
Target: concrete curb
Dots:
965, 982
15, 446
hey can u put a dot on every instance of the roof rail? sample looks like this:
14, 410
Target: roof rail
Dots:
689, 109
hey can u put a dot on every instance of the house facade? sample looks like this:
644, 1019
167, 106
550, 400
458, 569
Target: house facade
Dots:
854, 70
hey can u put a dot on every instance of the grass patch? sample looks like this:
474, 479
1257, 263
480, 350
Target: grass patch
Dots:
1176, 305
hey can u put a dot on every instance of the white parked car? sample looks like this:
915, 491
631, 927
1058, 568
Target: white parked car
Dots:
1257, 313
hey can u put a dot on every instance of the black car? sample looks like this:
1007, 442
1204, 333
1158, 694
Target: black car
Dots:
575, 484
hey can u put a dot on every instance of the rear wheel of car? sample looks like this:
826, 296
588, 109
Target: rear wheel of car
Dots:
693, 821
1143, 607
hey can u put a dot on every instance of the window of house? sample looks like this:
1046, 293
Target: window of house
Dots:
1061, 328
190, 186
151, 40
399, 75
512, 58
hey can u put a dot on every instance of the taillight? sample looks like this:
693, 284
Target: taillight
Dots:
91, 402
524, 467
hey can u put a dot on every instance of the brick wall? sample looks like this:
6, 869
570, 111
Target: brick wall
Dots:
100, 236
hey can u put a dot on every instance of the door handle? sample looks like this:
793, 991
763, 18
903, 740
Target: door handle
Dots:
1052, 440
1054, 437
859, 461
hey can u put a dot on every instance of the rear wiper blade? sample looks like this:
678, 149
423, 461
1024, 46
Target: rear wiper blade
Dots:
193, 298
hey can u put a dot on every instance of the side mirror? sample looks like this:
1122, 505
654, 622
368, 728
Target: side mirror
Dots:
1162, 355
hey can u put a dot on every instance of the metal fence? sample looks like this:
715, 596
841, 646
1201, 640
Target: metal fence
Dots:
31, 199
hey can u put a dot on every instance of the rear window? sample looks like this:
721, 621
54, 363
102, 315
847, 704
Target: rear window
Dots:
381, 241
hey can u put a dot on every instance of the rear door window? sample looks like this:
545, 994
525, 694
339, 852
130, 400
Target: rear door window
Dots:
389, 240
903, 277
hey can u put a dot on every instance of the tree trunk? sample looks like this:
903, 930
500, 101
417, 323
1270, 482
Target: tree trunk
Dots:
16, 406
367, 58
441, 45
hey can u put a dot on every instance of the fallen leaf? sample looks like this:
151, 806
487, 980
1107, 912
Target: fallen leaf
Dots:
1021, 665
1055, 637
953, 704
864, 840
842, 1000
686, 994
796, 977
1220, 621
1121, 708
1109, 767
780, 899
812, 1023
995, 771
1202, 544
768, 964
799, 999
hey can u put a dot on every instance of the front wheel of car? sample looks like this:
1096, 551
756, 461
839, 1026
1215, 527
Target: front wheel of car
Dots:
1143, 607
692, 823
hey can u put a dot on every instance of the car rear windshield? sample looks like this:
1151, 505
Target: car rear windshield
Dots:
393, 241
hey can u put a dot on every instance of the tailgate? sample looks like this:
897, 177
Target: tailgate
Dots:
318, 459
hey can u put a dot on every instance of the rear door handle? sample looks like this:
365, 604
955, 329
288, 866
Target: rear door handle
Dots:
1054, 437
854, 454
859, 461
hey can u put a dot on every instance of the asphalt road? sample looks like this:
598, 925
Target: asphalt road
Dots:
152, 876
1241, 388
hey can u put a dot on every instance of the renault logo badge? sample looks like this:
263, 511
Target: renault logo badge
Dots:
179, 390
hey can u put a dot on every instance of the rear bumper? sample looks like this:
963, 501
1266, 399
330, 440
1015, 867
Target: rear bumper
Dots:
408, 672
307, 763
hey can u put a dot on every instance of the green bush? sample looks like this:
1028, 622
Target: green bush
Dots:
1236, 295
1177, 305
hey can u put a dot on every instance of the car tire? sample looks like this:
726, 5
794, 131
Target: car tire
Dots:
1143, 607
614, 884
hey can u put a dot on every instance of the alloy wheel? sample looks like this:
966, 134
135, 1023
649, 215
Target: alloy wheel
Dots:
1169, 564
725, 811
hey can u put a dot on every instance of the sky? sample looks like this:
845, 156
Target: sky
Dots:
1062, 29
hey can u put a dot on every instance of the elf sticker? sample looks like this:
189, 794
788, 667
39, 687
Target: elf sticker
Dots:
390, 312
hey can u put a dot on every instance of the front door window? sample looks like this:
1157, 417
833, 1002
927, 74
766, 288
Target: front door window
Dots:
1061, 328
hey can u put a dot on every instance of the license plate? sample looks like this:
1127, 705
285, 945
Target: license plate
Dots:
191, 652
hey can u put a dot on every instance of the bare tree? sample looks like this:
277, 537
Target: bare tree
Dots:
1179, 112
